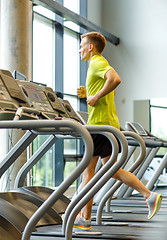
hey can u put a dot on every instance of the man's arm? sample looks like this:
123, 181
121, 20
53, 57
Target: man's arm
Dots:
112, 81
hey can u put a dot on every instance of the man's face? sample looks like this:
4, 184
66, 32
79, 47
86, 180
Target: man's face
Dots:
84, 49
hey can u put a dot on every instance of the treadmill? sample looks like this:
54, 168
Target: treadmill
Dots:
39, 124
130, 232
132, 204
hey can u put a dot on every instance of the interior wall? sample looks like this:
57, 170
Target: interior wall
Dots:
140, 58
94, 11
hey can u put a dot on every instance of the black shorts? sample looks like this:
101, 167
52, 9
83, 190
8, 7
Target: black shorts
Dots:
102, 145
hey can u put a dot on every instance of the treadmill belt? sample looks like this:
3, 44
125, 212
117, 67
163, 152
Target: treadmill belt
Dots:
132, 231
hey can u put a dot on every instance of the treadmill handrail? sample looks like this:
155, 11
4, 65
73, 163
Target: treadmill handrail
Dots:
16, 151
93, 181
77, 127
100, 182
131, 169
34, 127
21, 110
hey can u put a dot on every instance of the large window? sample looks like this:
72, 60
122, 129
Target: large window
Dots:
71, 80
43, 170
158, 116
73, 5
43, 50
71, 62
45, 61
43, 72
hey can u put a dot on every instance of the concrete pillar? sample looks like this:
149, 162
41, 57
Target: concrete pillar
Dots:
15, 35
16, 18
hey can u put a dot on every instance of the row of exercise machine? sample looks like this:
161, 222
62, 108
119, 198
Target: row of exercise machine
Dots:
34, 212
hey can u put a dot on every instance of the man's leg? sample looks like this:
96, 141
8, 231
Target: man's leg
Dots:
88, 173
153, 200
130, 179
83, 219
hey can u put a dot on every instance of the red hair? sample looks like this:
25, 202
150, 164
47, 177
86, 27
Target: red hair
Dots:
97, 39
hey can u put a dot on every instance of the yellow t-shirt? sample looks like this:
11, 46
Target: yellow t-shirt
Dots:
104, 112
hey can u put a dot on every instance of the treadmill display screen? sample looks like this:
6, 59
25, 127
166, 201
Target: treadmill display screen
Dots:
35, 94
38, 99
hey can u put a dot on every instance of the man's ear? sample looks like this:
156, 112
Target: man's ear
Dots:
91, 47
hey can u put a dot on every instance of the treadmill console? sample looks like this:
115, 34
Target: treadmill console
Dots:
55, 102
5, 98
11, 97
70, 111
136, 127
13, 88
38, 98
41, 99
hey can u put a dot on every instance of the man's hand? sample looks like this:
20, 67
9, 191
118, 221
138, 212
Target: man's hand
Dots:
81, 92
92, 100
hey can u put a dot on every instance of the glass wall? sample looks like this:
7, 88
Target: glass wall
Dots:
43, 72
45, 60
42, 171
158, 116
71, 79
71, 62
43, 50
